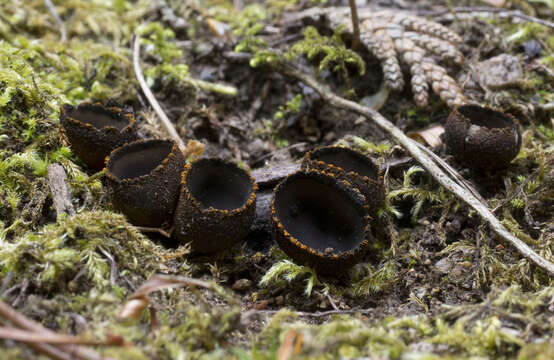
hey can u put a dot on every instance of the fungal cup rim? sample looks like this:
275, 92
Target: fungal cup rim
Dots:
117, 152
309, 157
212, 210
111, 110
352, 193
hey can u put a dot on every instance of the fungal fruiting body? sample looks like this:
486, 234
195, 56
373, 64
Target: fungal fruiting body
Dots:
482, 137
216, 207
320, 222
351, 166
143, 179
94, 130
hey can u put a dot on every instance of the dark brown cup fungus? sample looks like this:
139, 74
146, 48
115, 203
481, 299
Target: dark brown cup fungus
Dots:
319, 221
216, 207
482, 137
94, 131
351, 166
143, 179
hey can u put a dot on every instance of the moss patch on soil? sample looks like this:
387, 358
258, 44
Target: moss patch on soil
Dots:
438, 283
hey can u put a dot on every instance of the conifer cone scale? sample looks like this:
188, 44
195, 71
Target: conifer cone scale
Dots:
397, 38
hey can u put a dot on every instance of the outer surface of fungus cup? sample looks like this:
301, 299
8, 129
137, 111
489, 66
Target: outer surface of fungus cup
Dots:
319, 221
143, 179
94, 131
351, 166
482, 137
216, 207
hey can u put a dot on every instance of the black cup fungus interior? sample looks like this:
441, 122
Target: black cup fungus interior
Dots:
484, 117
98, 118
347, 159
139, 159
218, 184
319, 215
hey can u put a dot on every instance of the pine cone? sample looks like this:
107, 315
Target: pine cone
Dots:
392, 36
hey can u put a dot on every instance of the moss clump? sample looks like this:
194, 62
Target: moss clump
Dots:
81, 245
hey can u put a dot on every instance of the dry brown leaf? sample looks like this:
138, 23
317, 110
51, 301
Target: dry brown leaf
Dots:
429, 136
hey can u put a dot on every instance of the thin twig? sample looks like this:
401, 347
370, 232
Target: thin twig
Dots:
166, 123
49, 350
355, 24
114, 272
75, 352
310, 314
456, 175
426, 161
59, 339
57, 18
61, 197
484, 9
160, 231
332, 303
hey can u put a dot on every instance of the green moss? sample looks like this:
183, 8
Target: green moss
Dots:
77, 244
65, 265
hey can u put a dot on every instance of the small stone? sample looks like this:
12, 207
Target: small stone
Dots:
444, 265
330, 136
242, 284
500, 71
427, 262
532, 48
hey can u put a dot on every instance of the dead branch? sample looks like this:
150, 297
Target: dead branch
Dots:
60, 191
57, 18
160, 231
426, 161
478, 10
75, 352
166, 123
114, 272
49, 338
355, 25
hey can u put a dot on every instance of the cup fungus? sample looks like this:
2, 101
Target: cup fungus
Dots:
482, 137
320, 221
216, 207
143, 180
94, 130
351, 166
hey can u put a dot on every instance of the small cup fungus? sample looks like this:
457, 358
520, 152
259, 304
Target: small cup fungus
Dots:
216, 207
94, 130
143, 180
351, 166
320, 221
482, 137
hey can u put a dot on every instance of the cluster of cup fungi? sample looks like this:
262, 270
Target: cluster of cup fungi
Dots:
320, 215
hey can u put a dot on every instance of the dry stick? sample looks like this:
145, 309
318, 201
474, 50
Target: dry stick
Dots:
355, 24
75, 352
426, 161
249, 313
160, 231
57, 18
51, 351
27, 336
114, 273
484, 9
57, 179
166, 123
